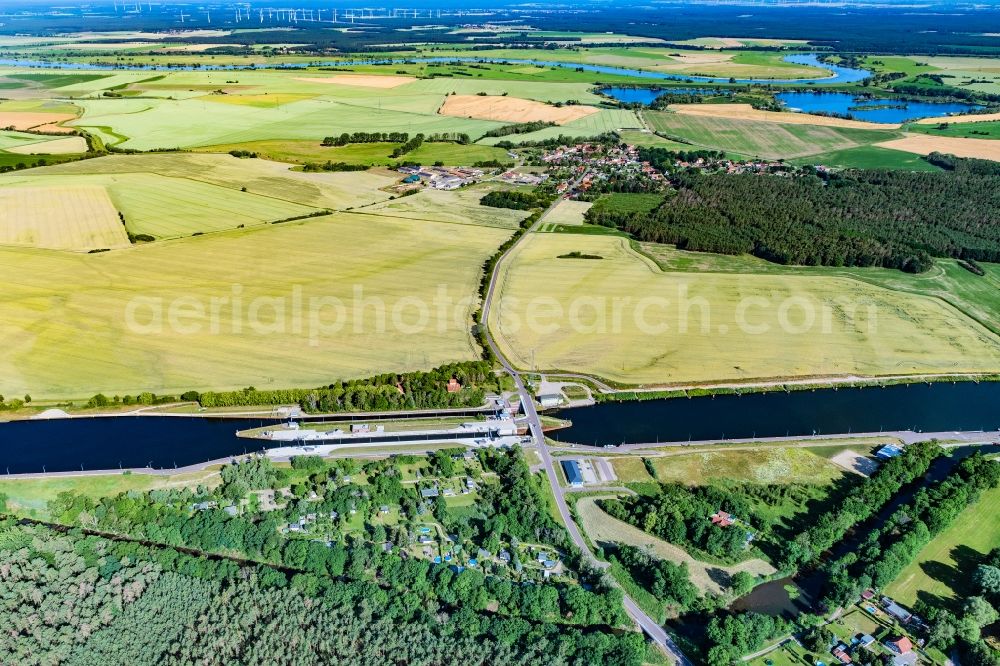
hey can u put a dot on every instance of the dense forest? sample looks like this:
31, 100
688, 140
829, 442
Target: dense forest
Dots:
510, 509
85, 600
894, 219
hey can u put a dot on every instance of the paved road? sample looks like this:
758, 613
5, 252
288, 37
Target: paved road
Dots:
646, 623
906, 436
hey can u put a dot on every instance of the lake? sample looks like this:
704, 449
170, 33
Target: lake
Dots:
836, 73
872, 110
921, 407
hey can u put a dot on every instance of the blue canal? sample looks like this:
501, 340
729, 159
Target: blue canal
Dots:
165, 442
919, 407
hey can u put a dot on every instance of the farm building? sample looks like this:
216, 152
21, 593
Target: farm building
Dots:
572, 470
722, 519
412, 178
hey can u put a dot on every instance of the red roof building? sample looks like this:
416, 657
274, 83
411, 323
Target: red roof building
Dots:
454, 386
900, 645
722, 519
842, 656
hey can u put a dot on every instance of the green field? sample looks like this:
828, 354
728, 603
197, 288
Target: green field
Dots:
754, 138
941, 572
69, 332
767, 465
989, 129
451, 154
697, 328
868, 157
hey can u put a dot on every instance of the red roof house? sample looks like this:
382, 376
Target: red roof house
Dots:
900, 645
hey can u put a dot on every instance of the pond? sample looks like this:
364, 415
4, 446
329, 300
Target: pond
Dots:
871, 110
836, 74
921, 407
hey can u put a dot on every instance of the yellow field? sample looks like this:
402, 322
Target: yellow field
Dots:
67, 146
361, 80
568, 212
24, 120
64, 218
971, 118
240, 308
621, 318
747, 112
601, 527
455, 206
511, 109
923, 144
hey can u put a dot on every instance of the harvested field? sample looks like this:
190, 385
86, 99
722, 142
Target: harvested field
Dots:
361, 80
63, 218
67, 146
971, 118
25, 120
600, 527
747, 112
683, 327
511, 109
923, 144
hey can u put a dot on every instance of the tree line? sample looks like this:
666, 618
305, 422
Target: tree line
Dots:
410, 390
862, 502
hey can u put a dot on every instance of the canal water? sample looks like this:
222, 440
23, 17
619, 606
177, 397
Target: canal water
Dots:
836, 73
161, 442
920, 407
165, 442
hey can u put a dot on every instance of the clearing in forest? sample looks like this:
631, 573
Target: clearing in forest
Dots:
708, 578
511, 109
